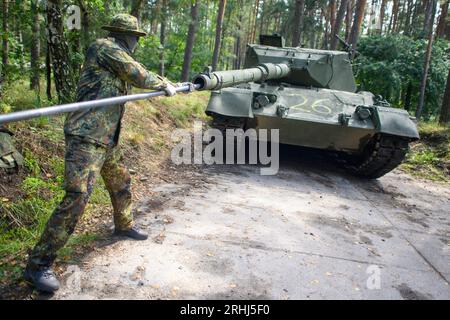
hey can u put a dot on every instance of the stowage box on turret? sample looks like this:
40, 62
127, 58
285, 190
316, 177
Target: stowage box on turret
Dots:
310, 96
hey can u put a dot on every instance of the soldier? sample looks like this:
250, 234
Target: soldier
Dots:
92, 145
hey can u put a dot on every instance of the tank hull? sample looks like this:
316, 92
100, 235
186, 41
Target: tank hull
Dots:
311, 117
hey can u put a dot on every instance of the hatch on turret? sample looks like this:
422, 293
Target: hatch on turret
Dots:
274, 40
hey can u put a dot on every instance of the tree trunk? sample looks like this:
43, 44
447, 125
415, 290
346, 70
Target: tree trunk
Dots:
258, 2
35, 50
48, 72
326, 16
298, 23
162, 38
190, 41
332, 19
429, 17
426, 64
372, 18
225, 24
63, 75
408, 18
85, 22
5, 48
357, 22
348, 19
248, 23
444, 117
237, 52
238, 37
265, 17
312, 40
382, 14
215, 59
155, 16
408, 94
395, 15
440, 30
136, 8
401, 17
417, 18
277, 22
338, 24
17, 27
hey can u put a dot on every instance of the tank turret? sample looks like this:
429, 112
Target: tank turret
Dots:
309, 67
293, 66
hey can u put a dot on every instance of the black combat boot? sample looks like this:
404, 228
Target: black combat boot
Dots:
43, 279
133, 233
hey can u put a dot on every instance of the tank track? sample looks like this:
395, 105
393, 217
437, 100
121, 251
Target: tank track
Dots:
224, 123
383, 154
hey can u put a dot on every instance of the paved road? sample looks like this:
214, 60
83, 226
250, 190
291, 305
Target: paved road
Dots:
310, 232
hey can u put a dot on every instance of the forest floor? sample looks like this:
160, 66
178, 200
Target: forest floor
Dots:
311, 231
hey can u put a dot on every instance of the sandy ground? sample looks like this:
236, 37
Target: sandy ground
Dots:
310, 232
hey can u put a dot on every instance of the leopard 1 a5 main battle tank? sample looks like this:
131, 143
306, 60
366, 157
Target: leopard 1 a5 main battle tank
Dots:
310, 96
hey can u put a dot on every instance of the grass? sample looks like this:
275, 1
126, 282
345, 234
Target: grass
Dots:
17, 96
429, 158
183, 108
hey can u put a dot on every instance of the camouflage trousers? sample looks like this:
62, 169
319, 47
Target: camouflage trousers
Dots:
83, 162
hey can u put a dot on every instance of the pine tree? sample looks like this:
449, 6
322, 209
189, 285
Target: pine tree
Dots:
136, 8
382, 14
443, 17
444, 117
423, 83
63, 75
215, 59
338, 24
193, 24
298, 22
35, 50
348, 19
5, 47
357, 22
162, 37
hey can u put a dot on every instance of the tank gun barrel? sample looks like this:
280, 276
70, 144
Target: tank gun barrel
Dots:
76, 106
223, 79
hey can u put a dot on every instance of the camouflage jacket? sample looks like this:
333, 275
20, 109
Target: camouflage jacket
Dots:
108, 71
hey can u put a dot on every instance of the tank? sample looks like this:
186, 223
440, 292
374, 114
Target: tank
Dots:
311, 96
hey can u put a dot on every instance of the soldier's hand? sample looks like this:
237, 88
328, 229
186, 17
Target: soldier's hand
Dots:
167, 86
170, 90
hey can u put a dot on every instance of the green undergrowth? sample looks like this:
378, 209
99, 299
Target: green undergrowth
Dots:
184, 107
429, 158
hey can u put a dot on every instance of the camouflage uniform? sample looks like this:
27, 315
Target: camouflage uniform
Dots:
92, 144
10, 158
